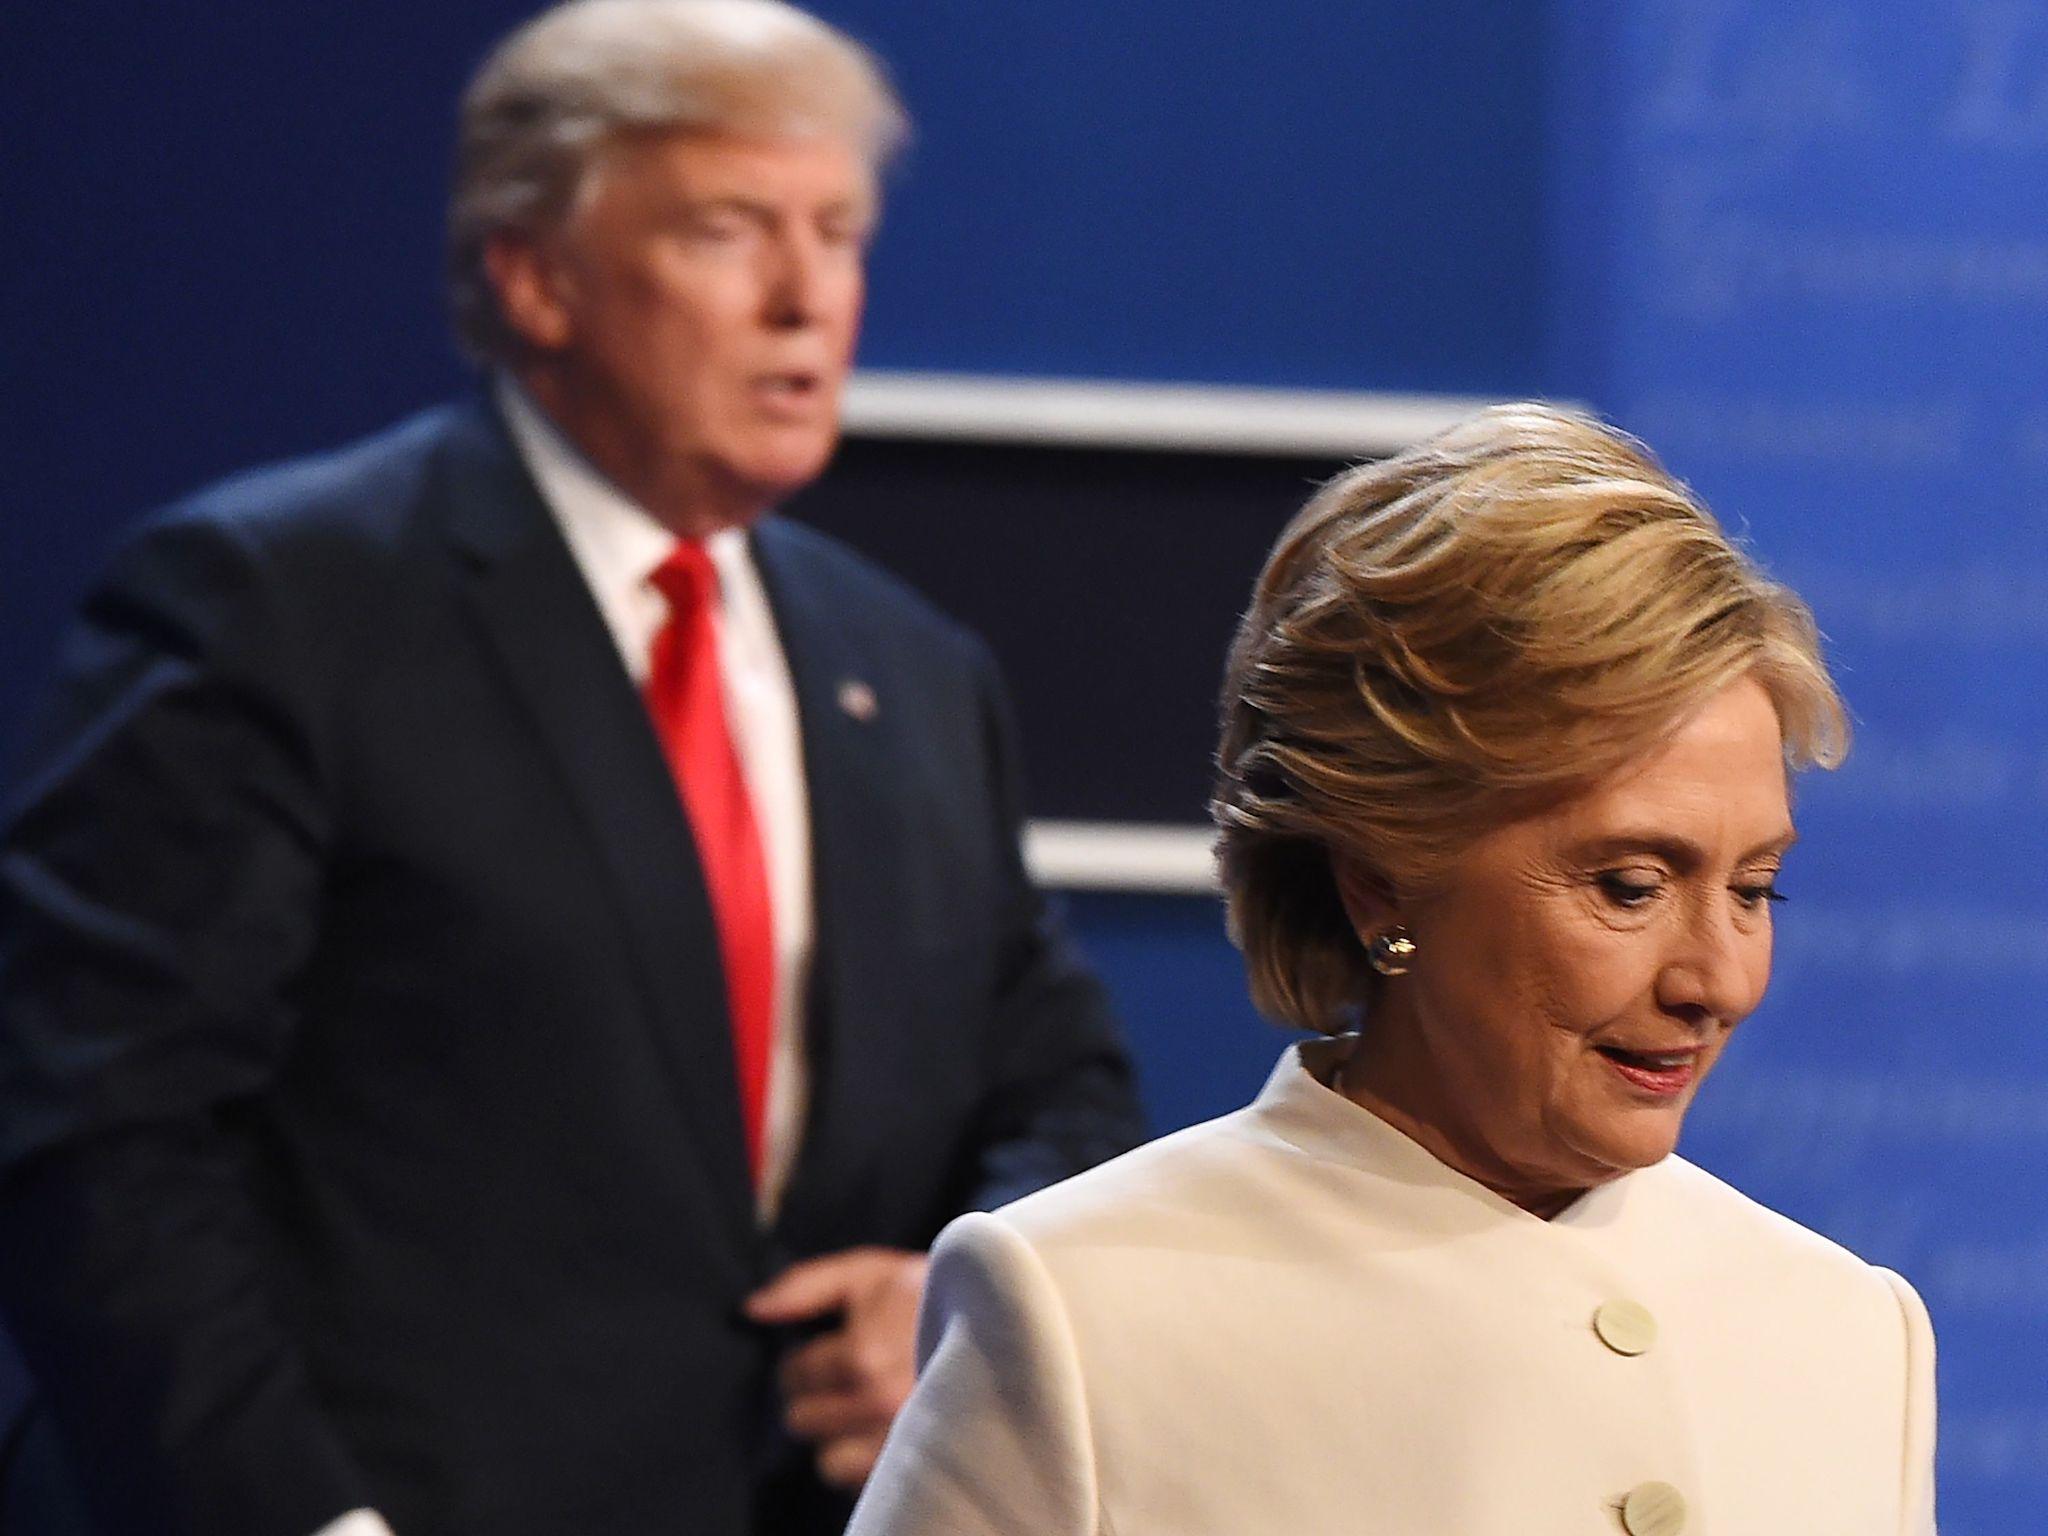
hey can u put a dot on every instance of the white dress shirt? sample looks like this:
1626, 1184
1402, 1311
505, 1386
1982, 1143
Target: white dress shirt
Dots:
617, 546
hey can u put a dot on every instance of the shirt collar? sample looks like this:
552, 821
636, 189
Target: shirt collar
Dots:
615, 540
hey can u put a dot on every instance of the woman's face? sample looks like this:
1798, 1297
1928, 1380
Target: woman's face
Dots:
1578, 974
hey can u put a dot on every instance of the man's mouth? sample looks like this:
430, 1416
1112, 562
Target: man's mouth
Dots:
791, 387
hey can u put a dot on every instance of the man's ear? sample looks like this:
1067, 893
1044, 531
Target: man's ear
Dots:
529, 284
1369, 901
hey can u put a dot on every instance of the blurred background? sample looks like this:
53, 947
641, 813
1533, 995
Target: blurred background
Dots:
1799, 246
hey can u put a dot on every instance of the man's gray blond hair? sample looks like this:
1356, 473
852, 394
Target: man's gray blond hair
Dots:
555, 91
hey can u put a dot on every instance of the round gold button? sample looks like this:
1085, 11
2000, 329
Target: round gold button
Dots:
1625, 1327
1653, 1509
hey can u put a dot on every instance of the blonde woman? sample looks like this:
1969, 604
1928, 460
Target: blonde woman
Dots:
1503, 803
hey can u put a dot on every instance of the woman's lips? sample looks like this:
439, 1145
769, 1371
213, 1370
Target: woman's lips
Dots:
1661, 1073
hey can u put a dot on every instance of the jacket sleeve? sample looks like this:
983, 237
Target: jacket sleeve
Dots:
1060, 1096
1917, 1463
995, 1439
160, 880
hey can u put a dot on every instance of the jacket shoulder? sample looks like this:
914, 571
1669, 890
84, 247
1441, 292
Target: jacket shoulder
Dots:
289, 572
1720, 1219
865, 592
1221, 1176
367, 488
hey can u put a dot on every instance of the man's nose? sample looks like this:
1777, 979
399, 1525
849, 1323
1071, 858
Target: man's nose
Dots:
797, 290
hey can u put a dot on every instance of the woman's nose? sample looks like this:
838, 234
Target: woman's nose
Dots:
1714, 968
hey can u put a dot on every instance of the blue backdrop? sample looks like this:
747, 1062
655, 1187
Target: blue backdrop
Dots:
1810, 264
1798, 245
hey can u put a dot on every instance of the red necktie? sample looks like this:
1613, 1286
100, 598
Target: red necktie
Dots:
688, 707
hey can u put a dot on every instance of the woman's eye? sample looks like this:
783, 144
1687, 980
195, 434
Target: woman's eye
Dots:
1625, 888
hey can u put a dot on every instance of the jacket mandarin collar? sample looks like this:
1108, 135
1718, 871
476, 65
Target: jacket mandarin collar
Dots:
1297, 1106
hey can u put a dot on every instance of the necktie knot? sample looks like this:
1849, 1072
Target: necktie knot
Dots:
686, 577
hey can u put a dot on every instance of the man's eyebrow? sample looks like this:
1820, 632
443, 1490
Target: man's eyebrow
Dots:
737, 202
687, 205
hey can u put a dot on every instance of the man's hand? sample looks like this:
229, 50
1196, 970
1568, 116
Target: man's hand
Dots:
842, 1388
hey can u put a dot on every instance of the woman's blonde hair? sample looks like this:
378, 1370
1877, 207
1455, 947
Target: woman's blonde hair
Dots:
1446, 640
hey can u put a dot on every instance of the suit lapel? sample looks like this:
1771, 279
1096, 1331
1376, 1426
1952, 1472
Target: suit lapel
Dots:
532, 603
842, 704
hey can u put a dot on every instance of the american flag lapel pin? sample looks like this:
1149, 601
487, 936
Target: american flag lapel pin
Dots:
857, 700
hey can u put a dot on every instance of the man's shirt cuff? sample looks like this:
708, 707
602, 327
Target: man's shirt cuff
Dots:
357, 1522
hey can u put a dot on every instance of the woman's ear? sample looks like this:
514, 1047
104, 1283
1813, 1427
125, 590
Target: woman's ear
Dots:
1368, 900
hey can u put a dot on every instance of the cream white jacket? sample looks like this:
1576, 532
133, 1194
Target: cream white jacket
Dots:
1294, 1321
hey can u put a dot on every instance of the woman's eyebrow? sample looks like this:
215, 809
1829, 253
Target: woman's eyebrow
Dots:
1678, 852
1775, 847
1681, 853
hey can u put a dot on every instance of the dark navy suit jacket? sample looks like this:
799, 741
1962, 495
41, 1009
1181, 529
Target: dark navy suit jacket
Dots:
367, 1128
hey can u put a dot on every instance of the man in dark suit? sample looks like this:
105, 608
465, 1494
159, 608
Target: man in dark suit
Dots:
508, 957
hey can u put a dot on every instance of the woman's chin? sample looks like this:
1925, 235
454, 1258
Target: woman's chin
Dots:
1606, 1137
1629, 1124
1635, 1137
